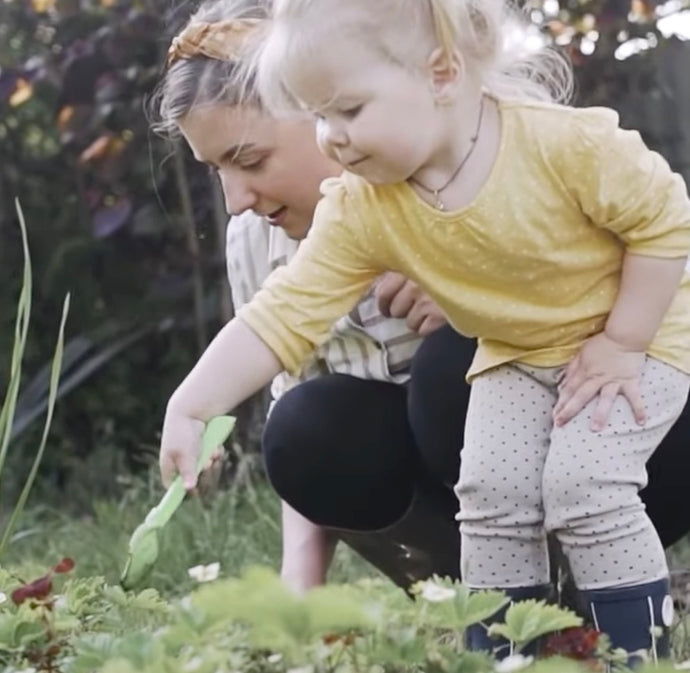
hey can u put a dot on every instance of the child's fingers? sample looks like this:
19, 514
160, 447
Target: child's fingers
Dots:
602, 410
576, 402
631, 391
572, 380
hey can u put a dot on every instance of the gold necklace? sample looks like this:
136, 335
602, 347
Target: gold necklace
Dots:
436, 193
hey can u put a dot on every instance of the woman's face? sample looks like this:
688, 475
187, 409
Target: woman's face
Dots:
271, 167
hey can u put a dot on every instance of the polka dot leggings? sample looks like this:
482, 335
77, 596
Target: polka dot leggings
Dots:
521, 476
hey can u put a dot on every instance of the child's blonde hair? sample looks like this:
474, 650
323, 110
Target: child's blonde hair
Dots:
406, 32
200, 80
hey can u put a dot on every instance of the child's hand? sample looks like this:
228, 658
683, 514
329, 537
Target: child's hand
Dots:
180, 448
602, 367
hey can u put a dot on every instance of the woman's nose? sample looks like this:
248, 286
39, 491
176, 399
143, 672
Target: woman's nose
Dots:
238, 194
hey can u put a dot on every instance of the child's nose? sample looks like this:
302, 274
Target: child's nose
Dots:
335, 134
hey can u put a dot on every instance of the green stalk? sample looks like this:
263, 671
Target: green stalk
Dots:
52, 395
20, 334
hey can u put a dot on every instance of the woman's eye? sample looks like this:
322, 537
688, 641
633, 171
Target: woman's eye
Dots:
253, 165
352, 112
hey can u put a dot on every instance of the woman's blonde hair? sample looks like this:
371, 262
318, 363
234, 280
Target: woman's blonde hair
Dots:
200, 80
406, 32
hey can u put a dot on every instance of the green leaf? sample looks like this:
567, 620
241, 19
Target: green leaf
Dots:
52, 396
335, 608
21, 331
26, 633
527, 620
480, 605
466, 607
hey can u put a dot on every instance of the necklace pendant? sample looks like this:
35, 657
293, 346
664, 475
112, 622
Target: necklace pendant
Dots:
439, 204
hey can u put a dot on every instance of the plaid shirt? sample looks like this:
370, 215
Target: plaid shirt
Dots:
363, 343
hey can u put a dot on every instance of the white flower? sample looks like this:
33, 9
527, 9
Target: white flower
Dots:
3, 597
435, 593
515, 662
193, 664
203, 573
61, 602
302, 669
274, 658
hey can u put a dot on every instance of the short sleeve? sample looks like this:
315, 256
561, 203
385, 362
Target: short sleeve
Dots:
333, 267
625, 187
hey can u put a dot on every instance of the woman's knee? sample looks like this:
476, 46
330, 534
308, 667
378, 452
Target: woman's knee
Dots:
437, 401
339, 451
288, 432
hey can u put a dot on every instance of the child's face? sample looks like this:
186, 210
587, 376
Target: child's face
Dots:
271, 167
374, 117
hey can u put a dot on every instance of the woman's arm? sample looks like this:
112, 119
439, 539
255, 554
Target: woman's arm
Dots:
307, 551
236, 364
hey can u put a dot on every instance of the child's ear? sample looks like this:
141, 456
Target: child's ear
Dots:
445, 74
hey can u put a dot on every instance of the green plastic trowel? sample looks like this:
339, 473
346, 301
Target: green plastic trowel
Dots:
143, 546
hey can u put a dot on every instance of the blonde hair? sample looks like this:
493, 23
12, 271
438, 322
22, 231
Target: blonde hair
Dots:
205, 79
407, 32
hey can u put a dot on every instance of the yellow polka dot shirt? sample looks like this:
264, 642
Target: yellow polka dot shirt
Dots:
531, 267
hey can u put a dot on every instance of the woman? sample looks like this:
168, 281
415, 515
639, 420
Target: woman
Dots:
369, 439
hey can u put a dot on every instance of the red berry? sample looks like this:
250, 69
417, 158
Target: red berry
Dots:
64, 566
579, 642
39, 588
19, 595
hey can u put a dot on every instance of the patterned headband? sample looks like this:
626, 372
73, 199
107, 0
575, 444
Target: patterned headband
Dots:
221, 40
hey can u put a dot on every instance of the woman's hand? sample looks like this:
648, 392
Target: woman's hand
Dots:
399, 297
180, 447
605, 368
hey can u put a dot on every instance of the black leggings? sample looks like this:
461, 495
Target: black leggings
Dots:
349, 453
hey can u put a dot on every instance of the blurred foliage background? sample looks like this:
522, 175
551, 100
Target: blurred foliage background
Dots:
134, 229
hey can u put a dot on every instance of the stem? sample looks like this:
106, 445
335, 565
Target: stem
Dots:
193, 249
220, 218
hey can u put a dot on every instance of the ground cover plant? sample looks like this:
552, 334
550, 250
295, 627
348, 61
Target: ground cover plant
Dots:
255, 624
211, 604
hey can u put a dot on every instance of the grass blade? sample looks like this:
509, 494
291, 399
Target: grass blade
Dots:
54, 381
21, 331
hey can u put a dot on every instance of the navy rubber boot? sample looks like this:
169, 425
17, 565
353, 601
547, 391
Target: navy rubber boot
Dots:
635, 618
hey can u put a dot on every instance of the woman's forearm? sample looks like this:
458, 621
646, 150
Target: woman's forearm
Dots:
648, 285
235, 365
307, 551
